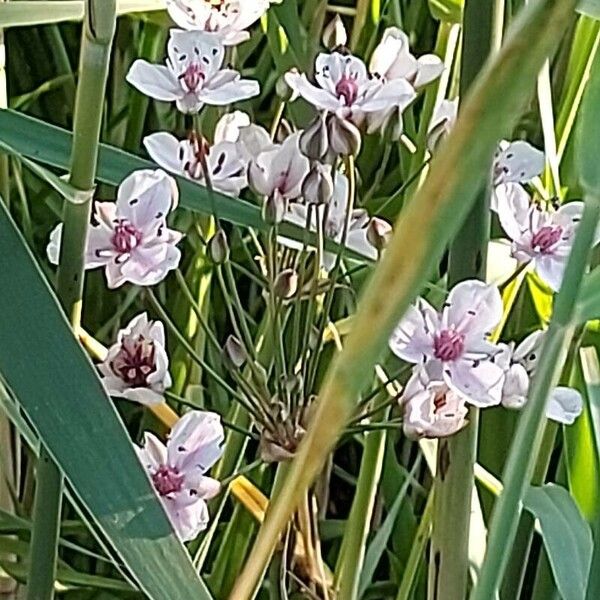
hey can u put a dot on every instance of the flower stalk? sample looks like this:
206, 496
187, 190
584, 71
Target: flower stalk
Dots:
448, 568
97, 35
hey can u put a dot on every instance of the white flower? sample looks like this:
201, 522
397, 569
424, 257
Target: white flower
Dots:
227, 160
442, 121
431, 408
130, 237
177, 469
517, 162
344, 87
192, 75
392, 59
334, 214
542, 237
564, 405
453, 343
137, 366
226, 18
277, 169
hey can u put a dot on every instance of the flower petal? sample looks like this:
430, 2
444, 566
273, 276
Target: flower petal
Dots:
155, 81
564, 406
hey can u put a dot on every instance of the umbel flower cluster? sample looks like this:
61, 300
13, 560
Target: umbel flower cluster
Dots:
304, 177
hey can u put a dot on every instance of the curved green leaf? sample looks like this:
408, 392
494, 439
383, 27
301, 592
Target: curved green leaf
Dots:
57, 386
567, 537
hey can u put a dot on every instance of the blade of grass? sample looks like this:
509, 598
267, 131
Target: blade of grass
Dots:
421, 235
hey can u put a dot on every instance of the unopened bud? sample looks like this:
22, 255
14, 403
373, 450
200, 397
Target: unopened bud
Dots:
273, 208
218, 247
317, 186
314, 139
344, 136
234, 352
334, 34
283, 90
286, 284
379, 233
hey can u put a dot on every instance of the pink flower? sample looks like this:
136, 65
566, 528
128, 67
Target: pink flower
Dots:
177, 469
541, 237
431, 408
344, 87
227, 20
193, 75
130, 237
137, 366
453, 345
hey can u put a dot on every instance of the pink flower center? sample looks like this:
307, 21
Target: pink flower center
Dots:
167, 480
546, 238
192, 77
134, 362
125, 237
448, 345
347, 88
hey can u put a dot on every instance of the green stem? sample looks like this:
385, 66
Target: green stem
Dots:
98, 31
449, 558
529, 434
352, 553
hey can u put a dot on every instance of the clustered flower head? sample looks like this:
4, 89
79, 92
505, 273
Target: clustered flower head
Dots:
456, 363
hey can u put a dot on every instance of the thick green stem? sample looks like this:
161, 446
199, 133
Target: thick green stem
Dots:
529, 434
352, 553
449, 558
98, 31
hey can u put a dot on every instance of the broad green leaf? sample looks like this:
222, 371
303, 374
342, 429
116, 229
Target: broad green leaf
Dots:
567, 537
450, 11
51, 145
33, 12
47, 371
421, 234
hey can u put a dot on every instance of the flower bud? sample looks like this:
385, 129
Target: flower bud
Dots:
286, 284
314, 139
317, 186
334, 34
218, 247
344, 136
273, 208
283, 90
234, 352
379, 233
